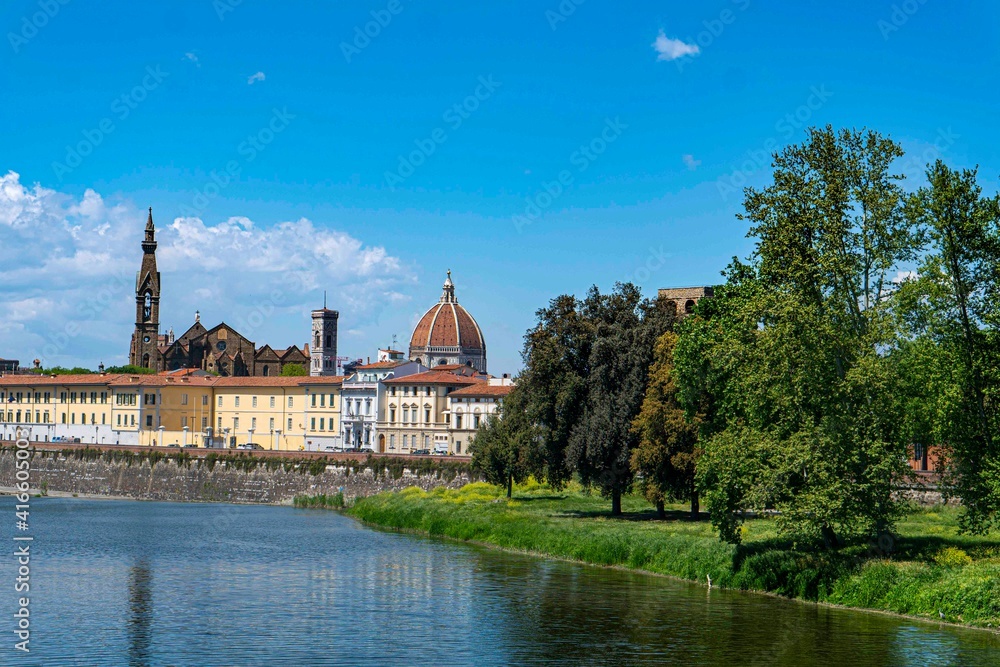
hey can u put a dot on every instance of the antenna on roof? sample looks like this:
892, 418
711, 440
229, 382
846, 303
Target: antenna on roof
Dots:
324, 299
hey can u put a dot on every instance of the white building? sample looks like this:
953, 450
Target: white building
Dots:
363, 404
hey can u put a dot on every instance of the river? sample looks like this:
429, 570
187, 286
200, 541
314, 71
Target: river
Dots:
142, 583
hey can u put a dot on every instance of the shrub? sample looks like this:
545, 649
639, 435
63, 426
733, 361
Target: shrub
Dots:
952, 557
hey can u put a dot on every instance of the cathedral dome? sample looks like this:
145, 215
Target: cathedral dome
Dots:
448, 334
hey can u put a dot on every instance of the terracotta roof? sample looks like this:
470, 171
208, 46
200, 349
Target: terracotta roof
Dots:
322, 379
447, 325
484, 389
126, 380
380, 364
275, 381
434, 377
40, 380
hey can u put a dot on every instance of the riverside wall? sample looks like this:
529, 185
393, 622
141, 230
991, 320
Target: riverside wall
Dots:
199, 480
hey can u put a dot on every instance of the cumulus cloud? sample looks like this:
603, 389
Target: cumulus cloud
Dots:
254, 78
69, 282
668, 48
690, 162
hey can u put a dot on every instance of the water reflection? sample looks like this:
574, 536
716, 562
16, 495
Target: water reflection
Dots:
294, 587
140, 619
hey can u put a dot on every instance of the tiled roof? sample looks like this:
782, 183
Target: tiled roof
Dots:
483, 389
322, 379
126, 380
434, 377
380, 365
276, 381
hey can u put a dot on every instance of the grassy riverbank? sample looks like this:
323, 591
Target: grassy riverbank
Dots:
929, 571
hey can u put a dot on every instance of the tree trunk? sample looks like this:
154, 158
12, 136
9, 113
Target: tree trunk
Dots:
661, 511
510, 486
695, 506
616, 502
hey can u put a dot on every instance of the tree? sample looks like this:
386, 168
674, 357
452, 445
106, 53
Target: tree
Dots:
625, 328
556, 362
293, 370
502, 448
954, 311
130, 369
804, 399
668, 450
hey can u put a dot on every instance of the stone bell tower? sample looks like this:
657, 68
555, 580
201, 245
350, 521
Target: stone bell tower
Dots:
145, 341
323, 346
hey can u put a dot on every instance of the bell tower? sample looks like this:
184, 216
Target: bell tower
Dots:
323, 346
145, 341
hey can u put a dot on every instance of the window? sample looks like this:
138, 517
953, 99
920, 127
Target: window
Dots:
64, 417
331, 400
119, 420
427, 415
270, 423
149, 420
427, 391
104, 397
72, 397
427, 442
289, 401
253, 423
272, 401
253, 402
392, 415
47, 417
103, 417
322, 400
184, 422
204, 422
404, 442
132, 420
392, 442
72, 417
236, 423
475, 422
62, 397
314, 400
204, 399
392, 391
93, 397
458, 421
289, 422
458, 446
184, 399
236, 402
321, 424
368, 407
220, 401
220, 423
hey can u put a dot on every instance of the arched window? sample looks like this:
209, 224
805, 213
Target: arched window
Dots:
317, 340
689, 306
266, 371
329, 338
145, 361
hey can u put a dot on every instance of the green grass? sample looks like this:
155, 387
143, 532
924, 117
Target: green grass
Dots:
928, 570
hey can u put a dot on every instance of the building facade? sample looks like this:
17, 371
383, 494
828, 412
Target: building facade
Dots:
364, 399
686, 298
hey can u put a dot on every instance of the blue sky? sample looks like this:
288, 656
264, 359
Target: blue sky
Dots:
322, 128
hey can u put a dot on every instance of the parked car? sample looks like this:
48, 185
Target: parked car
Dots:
251, 445
76, 439
421, 452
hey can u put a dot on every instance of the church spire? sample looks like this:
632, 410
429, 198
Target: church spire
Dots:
149, 243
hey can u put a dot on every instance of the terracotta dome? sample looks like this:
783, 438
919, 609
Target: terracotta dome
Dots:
447, 333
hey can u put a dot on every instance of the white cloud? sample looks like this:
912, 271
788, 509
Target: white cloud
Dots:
67, 292
253, 78
690, 162
668, 48
190, 57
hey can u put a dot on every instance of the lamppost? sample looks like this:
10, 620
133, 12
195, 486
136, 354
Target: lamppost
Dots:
272, 437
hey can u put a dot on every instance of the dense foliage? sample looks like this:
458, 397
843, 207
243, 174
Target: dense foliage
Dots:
860, 329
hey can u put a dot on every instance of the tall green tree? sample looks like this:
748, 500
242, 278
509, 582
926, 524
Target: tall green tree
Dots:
503, 448
668, 451
625, 328
954, 310
556, 363
797, 365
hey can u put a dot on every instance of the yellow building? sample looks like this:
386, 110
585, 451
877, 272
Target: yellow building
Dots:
54, 407
470, 407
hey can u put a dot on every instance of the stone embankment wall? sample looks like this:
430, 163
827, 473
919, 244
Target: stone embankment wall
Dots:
197, 480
